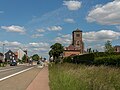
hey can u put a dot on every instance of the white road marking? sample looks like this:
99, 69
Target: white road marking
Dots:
8, 69
15, 74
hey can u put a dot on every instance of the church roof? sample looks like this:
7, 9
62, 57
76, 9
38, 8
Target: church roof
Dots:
77, 30
71, 47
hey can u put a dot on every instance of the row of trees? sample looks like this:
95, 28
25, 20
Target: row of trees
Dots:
35, 57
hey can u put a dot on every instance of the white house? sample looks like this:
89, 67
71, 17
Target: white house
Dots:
21, 53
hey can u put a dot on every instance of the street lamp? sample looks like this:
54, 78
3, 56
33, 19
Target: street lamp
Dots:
3, 51
3, 48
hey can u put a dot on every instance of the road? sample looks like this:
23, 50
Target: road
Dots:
17, 77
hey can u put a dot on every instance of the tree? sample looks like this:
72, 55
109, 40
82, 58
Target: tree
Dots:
35, 57
108, 47
24, 58
89, 50
56, 50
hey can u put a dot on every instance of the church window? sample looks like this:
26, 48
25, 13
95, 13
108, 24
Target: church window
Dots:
78, 42
77, 35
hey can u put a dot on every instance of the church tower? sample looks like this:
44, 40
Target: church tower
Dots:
77, 46
77, 40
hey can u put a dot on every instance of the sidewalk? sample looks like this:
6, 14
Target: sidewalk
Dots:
41, 82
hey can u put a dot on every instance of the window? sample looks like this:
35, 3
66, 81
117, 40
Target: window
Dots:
77, 35
10, 57
78, 43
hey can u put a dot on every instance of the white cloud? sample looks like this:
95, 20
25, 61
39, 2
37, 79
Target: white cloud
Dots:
14, 28
41, 44
106, 14
55, 28
37, 35
64, 39
39, 48
72, 4
40, 30
98, 47
69, 20
7, 43
102, 35
118, 27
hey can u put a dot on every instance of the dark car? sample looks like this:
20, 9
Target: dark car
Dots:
13, 63
38, 62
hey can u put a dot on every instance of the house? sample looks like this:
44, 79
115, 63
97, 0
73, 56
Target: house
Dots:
117, 48
10, 56
77, 46
1, 57
21, 53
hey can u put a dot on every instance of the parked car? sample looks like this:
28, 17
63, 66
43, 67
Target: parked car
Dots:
13, 63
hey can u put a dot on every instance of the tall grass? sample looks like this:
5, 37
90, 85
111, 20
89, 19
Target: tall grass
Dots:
80, 77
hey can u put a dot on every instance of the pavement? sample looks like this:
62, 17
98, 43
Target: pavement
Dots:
41, 82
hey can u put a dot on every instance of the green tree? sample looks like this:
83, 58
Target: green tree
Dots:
108, 47
35, 57
24, 58
56, 50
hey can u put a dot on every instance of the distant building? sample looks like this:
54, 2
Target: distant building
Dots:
77, 46
117, 48
10, 56
16, 55
21, 53
1, 57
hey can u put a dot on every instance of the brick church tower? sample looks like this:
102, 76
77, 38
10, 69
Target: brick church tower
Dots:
77, 46
77, 40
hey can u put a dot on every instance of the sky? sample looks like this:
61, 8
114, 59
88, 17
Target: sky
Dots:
35, 25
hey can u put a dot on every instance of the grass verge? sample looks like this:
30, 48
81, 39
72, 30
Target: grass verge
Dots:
80, 77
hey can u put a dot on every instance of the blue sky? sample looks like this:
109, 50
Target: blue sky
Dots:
37, 24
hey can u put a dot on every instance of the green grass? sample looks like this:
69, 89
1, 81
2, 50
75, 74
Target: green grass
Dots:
80, 77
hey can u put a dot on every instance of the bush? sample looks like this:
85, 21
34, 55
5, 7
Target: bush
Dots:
113, 60
85, 59
67, 59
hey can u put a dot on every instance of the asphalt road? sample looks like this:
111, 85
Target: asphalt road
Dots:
20, 81
11, 70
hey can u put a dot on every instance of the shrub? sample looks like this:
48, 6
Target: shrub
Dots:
85, 58
67, 59
113, 60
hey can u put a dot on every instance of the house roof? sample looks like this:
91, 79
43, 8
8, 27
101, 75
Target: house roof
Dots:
117, 46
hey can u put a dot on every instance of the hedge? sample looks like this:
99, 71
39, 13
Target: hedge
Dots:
104, 54
85, 58
100, 58
113, 60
